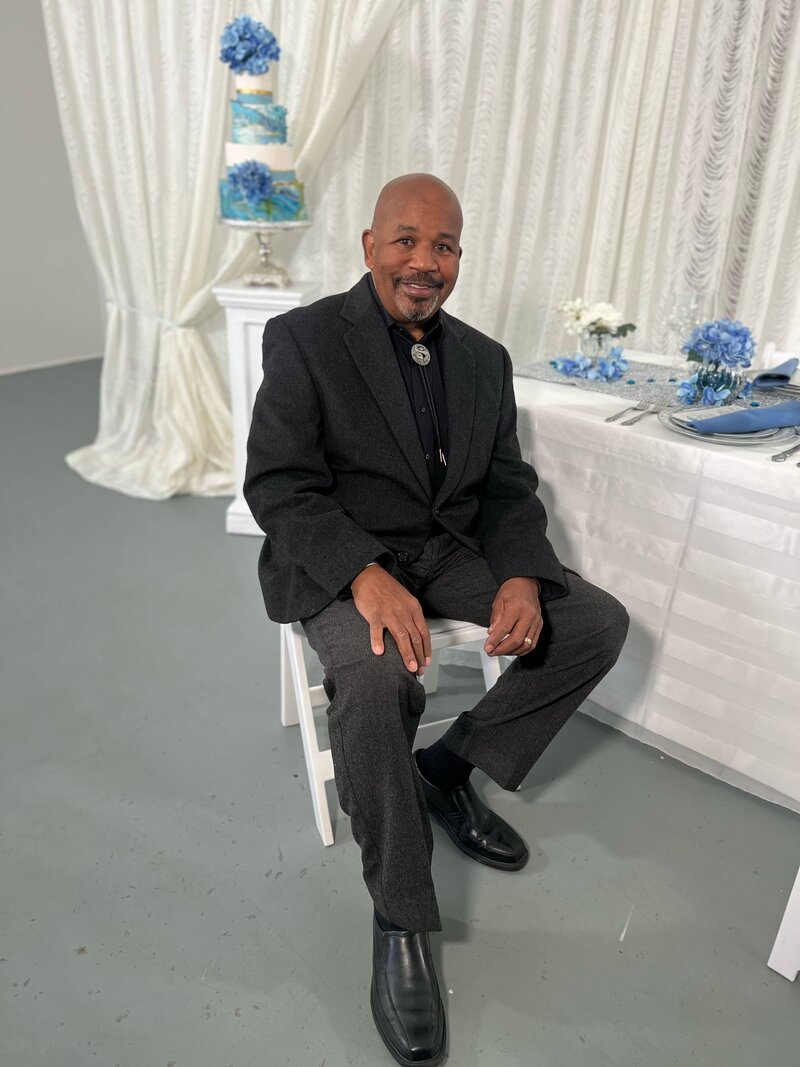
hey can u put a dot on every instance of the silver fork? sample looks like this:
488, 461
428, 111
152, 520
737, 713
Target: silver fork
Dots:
781, 457
651, 409
625, 411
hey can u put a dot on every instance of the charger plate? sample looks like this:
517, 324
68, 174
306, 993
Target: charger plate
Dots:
675, 419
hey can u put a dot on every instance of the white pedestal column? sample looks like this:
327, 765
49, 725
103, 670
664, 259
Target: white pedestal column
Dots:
247, 309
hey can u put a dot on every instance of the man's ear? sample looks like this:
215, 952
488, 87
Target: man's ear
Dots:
368, 244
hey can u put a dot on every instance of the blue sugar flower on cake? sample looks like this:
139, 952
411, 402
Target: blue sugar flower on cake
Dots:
251, 181
248, 47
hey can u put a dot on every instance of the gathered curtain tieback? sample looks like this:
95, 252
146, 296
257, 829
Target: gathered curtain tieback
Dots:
150, 315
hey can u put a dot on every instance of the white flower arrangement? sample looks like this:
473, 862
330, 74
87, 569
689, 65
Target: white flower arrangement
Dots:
598, 318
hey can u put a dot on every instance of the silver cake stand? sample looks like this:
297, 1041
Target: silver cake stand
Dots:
269, 273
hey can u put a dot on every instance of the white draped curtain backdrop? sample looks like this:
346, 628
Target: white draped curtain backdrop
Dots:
612, 149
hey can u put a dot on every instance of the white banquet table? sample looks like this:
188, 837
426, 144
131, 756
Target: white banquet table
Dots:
701, 542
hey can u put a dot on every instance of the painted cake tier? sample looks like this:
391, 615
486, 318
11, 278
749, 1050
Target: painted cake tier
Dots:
286, 204
254, 122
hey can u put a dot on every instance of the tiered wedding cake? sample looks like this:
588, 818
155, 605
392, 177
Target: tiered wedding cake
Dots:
260, 183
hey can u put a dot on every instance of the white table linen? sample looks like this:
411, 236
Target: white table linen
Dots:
701, 542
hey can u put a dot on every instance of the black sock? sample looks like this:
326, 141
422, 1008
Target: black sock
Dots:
442, 767
385, 924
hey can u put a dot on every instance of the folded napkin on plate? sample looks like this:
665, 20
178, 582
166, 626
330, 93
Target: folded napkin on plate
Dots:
775, 376
750, 419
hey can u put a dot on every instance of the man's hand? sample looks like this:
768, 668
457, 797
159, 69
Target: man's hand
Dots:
387, 605
516, 615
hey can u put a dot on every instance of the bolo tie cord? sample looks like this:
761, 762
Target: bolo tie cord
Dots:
422, 357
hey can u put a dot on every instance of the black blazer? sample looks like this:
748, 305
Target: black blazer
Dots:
336, 476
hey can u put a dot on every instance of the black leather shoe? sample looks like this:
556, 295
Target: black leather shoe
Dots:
404, 997
473, 827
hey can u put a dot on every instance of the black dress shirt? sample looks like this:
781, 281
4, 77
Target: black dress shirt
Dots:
425, 419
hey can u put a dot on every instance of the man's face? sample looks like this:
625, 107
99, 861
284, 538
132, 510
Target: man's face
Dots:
413, 251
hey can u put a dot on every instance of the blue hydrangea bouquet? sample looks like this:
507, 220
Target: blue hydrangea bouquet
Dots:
724, 349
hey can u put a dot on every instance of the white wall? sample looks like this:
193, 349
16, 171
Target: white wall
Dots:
51, 307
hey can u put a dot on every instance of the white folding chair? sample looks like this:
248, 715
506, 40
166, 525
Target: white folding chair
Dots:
769, 356
298, 700
785, 955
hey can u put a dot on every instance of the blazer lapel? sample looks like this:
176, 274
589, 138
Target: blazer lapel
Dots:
373, 354
459, 371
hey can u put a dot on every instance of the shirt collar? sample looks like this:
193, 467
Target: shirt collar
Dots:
434, 325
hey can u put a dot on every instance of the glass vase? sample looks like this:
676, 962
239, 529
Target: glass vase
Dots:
719, 376
595, 345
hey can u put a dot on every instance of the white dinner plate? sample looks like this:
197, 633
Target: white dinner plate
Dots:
675, 419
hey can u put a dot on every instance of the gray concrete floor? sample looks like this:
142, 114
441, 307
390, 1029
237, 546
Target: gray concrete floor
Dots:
166, 901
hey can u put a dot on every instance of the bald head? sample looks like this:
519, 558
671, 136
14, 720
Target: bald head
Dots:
425, 187
412, 247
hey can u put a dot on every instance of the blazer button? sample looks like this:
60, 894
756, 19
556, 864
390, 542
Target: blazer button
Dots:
435, 511
402, 557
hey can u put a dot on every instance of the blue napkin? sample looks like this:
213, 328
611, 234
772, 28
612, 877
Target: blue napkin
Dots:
775, 376
749, 419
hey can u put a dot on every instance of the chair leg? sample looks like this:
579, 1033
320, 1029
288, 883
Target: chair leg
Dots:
289, 710
492, 669
430, 678
318, 764
785, 956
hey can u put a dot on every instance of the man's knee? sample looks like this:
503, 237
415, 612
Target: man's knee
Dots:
593, 617
611, 622
381, 685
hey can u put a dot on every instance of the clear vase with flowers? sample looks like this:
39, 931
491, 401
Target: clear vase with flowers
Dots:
724, 350
597, 326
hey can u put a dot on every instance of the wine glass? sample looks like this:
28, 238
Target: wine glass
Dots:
686, 308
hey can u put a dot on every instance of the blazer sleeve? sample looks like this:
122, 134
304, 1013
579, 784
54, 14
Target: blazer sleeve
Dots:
288, 482
513, 523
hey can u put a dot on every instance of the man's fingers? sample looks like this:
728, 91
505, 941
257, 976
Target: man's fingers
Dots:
376, 638
530, 638
419, 651
419, 622
405, 647
499, 628
512, 642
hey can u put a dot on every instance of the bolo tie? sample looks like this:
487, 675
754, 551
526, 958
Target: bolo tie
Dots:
422, 357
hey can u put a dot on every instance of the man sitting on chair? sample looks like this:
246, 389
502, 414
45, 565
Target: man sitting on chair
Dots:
384, 468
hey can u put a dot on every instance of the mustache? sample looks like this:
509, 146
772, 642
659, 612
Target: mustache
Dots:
417, 279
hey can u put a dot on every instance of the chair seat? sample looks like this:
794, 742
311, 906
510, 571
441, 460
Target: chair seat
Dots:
298, 699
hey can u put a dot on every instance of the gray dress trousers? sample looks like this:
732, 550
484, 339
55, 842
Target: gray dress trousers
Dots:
376, 704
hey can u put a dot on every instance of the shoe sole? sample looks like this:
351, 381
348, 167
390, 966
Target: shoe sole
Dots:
432, 1061
498, 865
